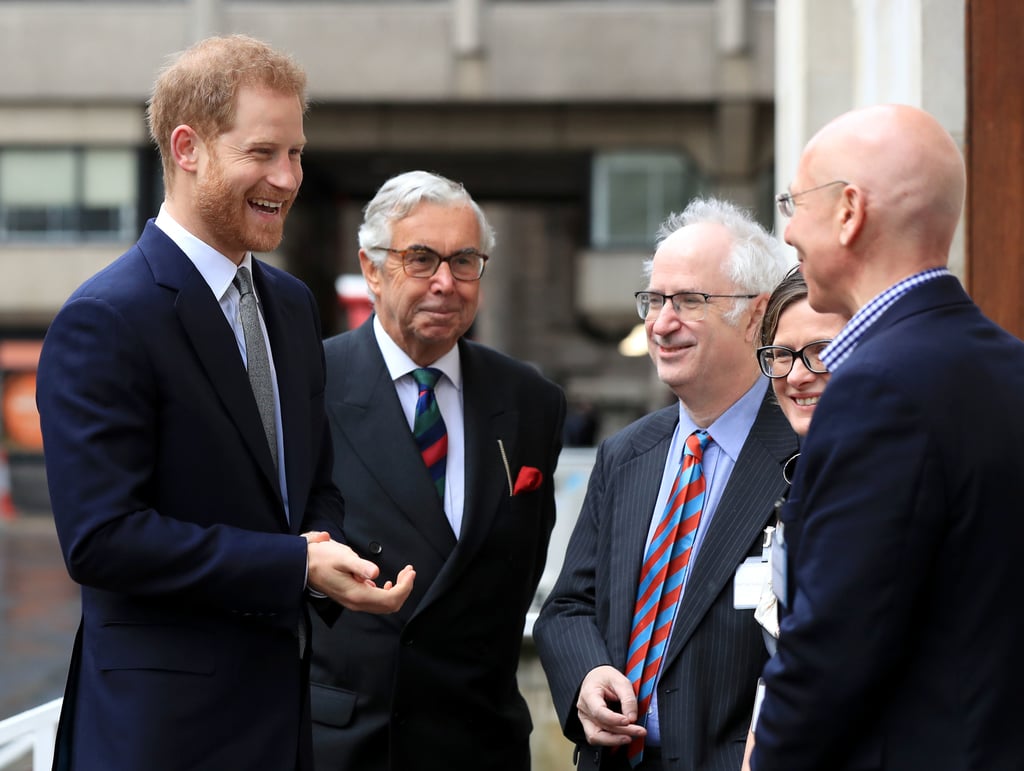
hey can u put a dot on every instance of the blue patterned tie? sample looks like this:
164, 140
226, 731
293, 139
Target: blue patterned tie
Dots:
428, 427
661, 579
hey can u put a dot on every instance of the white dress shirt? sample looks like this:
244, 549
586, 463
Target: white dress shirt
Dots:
218, 272
448, 393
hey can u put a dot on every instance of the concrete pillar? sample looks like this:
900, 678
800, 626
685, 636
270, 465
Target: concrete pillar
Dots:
834, 55
887, 52
206, 19
468, 48
733, 26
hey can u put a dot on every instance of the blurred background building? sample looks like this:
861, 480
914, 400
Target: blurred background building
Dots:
577, 125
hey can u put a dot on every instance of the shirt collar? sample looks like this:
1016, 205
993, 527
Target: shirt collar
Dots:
399, 364
850, 335
217, 270
731, 428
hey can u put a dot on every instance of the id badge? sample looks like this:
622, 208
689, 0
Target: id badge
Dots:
752, 575
750, 578
779, 565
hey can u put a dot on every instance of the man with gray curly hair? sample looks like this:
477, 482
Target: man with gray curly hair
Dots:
445, 453
650, 664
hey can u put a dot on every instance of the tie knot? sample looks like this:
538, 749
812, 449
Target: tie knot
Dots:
696, 442
243, 281
426, 377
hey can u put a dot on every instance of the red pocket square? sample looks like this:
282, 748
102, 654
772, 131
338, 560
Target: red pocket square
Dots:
529, 479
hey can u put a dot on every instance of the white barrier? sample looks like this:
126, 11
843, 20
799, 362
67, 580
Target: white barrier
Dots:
33, 731
571, 478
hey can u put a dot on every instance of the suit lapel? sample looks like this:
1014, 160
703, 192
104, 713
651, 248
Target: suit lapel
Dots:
363, 406
213, 341
639, 479
755, 482
489, 414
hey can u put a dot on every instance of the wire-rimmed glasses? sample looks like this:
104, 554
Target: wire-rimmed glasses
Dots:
689, 306
786, 201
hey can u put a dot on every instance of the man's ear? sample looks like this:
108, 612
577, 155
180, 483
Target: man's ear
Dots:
852, 206
371, 273
757, 307
185, 148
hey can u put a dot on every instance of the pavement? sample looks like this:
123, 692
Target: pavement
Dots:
39, 613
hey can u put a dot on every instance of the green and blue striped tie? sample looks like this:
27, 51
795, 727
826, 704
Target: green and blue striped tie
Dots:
428, 427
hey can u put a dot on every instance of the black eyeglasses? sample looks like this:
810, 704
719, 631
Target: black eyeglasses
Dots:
423, 262
689, 306
777, 360
785, 201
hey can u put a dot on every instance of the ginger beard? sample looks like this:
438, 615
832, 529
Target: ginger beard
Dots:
240, 224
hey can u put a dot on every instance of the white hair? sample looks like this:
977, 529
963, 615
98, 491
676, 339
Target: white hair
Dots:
756, 263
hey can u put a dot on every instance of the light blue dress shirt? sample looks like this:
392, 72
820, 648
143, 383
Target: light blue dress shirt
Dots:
728, 435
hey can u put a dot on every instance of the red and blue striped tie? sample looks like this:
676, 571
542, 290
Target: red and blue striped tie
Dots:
428, 427
661, 579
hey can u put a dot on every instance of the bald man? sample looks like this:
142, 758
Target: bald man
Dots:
902, 532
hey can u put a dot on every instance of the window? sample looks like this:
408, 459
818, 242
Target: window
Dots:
67, 194
633, 193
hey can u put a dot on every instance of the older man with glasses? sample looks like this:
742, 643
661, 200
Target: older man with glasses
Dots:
650, 664
445, 453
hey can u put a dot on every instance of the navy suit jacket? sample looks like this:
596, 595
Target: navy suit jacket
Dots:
169, 514
904, 530
433, 687
715, 652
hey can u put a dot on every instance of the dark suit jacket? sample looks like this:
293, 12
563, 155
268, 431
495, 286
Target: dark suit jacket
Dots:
169, 515
434, 685
715, 653
904, 530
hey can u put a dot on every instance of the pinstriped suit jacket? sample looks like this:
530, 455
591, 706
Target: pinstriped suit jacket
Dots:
715, 653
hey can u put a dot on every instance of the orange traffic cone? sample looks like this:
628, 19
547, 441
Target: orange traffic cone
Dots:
7, 510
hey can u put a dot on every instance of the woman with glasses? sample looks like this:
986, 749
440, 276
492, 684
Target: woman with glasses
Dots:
793, 335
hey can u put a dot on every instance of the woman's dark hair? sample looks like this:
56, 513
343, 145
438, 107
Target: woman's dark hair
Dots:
791, 289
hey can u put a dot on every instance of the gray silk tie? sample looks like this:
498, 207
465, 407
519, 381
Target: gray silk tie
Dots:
259, 377
256, 356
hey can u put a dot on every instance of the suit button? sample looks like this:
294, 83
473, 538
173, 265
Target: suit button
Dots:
375, 547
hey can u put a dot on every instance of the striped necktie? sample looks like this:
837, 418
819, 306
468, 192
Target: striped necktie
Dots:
661, 579
428, 427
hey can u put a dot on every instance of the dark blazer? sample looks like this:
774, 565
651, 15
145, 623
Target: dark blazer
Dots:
903, 530
715, 653
169, 514
434, 685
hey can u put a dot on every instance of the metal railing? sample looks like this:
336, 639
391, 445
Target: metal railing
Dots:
30, 734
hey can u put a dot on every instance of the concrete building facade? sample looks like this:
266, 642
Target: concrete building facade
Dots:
577, 124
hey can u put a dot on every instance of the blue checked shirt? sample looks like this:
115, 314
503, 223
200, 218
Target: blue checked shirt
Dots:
847, 340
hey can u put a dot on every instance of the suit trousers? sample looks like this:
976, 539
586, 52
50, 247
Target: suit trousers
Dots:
617, 761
